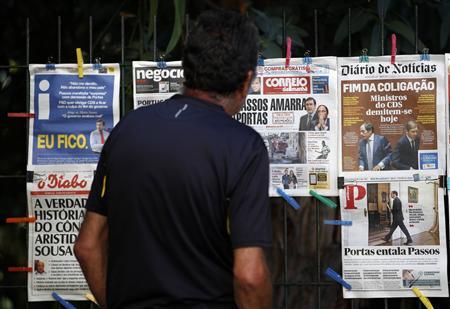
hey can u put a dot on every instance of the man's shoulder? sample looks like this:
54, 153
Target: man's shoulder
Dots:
403, 140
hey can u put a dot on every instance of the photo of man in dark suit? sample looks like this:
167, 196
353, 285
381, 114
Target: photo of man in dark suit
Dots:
374, 150
397, 219
405, 154
308, 121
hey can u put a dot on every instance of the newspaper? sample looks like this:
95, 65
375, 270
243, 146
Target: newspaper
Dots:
57, 200
69, 112
294, 110
152, 84
389, 117
377, 259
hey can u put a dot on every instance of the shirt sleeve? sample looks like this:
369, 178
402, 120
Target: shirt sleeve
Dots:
97, 196
250, 218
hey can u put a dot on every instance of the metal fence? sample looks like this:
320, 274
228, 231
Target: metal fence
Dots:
309, 288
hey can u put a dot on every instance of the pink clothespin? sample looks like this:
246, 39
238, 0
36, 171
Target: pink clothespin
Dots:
288, 51
393, 48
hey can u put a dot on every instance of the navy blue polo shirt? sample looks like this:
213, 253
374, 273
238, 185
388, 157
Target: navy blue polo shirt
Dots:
185, 184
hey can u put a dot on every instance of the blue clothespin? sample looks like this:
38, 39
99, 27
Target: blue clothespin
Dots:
260, 62
307, 59
62, 301
161, 64
97, 65
425, 56
337, 222
335, 276
364, 57
288, 199
50, 65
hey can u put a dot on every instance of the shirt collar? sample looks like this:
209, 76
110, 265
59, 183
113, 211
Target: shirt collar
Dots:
199, 102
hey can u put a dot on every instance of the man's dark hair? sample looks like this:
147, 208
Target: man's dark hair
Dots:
220, 50
395, 192
101, 120
369, 127
311, 99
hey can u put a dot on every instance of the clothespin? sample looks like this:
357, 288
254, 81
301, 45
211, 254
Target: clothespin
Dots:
260, 62
337, 222
50, 66
364, 57
323, 199
288, 51
393, 48
97, 64
18, 269
62, 301
20, 115
161, 64
335, 276
21, 220
425, 56
288, 199
91, 297
80, 63
423, 298
307, 60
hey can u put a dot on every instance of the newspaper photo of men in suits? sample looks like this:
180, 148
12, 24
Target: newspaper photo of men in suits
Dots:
406, 151
308, 121
397, 219
374, 150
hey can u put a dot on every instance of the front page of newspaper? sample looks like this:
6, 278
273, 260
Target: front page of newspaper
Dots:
294, 110
72, 116
390, 117
57, 200
397, 239
152, 84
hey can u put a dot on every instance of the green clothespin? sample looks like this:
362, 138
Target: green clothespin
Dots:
323, 199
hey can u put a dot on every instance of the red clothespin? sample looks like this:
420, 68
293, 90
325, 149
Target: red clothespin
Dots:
20, 115
21, 220
393, 48
288, 51
20, 269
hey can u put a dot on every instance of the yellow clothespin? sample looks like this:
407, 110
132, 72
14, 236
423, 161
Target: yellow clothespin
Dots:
423, 298
91, 297
80, 63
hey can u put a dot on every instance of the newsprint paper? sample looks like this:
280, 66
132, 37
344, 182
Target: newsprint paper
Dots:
397, 239
57, 200
153, 85
392, 117
295, 111
72, 117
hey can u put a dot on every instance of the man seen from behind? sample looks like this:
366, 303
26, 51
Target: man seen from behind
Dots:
178, 213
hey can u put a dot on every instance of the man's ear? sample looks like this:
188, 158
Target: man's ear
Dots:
247, 82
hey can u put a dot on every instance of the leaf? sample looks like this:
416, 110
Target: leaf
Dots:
271, 49
153, 12
445, 25
404, 30
383, 6
360, 18
180, 9
291, 29
375, 42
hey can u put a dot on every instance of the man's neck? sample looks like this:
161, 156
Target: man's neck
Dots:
210, 97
